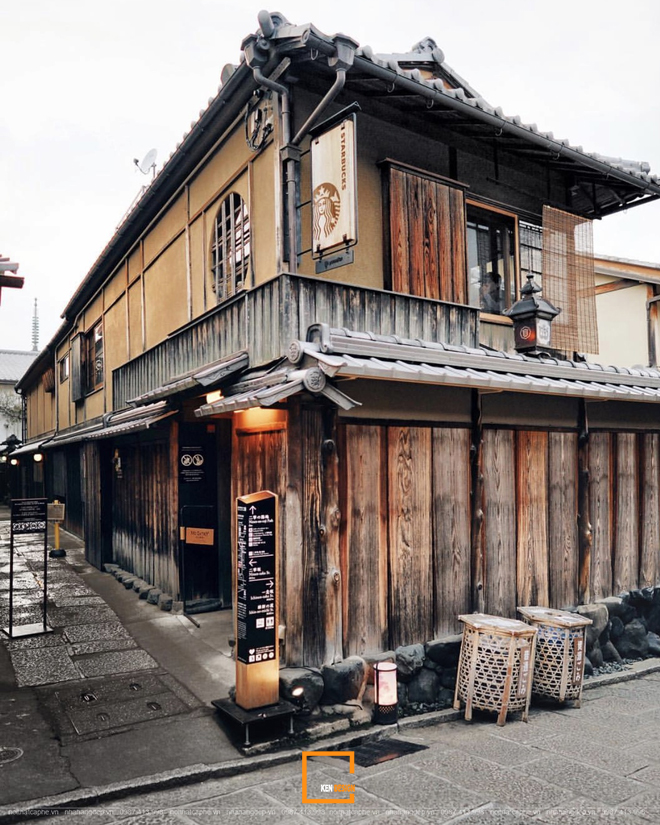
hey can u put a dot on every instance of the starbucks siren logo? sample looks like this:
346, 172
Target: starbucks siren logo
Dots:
327, 204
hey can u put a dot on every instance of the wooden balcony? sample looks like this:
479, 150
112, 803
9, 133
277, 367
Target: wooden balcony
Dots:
265, 320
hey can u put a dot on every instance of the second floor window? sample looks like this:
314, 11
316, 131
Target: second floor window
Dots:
94, 357
231, 246
64, 368
491, 259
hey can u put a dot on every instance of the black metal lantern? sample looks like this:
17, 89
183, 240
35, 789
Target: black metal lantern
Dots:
532, 316
385, 693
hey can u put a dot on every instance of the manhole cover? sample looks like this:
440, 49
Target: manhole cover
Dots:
383, 750
9, 755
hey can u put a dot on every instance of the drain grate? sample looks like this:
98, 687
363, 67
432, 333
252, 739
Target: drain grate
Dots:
383, 750
9, 755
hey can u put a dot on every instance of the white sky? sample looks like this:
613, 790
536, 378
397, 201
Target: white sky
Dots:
86, 87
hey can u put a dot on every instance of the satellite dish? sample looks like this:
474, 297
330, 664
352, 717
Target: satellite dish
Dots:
147, 163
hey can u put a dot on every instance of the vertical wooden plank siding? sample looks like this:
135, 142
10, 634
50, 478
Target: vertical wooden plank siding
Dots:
291, 594
458, 246
431, 240
399, 232
92, 505
649, 561
145, 514
322, 610
410, 555
364, 538
601, 509
532, 493
451, 527
562, 519
500, 522
626, 534
428, 240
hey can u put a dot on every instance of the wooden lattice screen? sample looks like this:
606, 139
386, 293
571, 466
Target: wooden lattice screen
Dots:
568, 280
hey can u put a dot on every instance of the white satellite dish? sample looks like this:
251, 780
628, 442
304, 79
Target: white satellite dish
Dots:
147, 163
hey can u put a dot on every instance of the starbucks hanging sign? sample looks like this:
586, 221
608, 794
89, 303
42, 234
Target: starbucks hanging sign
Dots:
334, 189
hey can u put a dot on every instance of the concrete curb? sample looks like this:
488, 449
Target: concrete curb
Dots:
86, 797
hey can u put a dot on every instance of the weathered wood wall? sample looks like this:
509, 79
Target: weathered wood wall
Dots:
405, 538
267, 318
145, 514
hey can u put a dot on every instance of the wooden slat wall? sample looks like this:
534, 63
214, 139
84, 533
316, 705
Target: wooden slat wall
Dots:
267, 318
451, 527
562, 519
145, 515
532, 495
500, 521
92, 503
410, 548
626, 530
649, 561
364, 539
427, 227
601, 509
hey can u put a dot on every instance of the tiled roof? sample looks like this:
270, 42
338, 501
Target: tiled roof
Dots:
342, 353
464, 93
13, 363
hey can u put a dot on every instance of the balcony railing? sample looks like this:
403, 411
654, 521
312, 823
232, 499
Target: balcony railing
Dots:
265, 320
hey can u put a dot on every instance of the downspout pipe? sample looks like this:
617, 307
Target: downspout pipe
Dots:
258, 50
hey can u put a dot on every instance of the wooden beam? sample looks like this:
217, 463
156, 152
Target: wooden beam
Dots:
477, 507
614, 286
585, 534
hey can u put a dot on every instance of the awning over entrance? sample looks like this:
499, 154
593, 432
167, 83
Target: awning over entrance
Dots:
267, 390
28, 449
116, 424
204, 378
346, 354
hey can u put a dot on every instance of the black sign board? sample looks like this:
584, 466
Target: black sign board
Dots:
256, 629
28, 515
191, 464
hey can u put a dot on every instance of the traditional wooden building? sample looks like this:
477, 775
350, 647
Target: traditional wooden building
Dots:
311, 298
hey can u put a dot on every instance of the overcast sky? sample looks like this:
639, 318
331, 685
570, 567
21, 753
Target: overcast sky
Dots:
86, 87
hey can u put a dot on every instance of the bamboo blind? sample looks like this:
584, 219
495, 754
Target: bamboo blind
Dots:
568, 280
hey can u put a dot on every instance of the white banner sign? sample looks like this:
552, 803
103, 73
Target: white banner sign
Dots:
334, 189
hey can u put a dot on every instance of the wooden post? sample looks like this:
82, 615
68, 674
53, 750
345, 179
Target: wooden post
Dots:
477, 514
585, 535
293, 541
322, 586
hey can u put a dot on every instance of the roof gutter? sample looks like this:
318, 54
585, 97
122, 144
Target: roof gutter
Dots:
258, 49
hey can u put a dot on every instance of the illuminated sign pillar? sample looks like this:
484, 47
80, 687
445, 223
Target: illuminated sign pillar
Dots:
257, 600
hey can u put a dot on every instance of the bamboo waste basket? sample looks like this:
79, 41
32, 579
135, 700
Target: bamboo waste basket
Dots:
560, 647
495, 665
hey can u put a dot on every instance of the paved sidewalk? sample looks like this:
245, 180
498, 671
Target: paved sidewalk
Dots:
114, 705
98, 700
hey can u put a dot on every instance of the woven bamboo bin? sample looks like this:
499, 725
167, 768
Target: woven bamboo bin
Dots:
560, 646
495, 665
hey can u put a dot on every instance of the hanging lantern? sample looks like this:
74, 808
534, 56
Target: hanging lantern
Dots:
532, 317
385, 693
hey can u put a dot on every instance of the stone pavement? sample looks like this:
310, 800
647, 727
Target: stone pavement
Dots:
109, 717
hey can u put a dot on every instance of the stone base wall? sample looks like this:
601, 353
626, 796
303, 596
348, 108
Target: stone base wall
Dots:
624, 627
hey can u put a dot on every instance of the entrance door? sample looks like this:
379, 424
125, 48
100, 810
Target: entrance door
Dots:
198, 519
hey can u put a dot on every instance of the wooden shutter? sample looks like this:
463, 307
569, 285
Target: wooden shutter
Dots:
77, 374
427, 236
